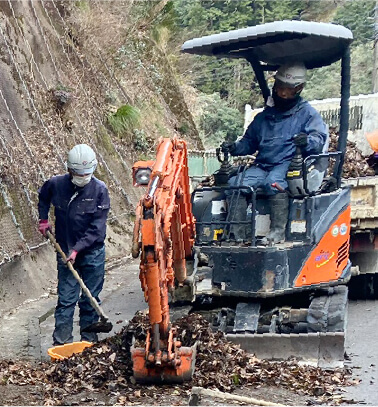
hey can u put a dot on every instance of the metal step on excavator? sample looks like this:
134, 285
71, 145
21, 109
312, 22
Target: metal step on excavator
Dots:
279, 300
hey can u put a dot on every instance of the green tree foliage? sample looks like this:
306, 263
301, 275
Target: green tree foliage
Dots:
218, 122
358, 17
362, 69
276, 10
325, 82
233, 80
320, 10
203, 17
230, 78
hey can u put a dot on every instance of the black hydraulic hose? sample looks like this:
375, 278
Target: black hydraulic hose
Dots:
253, 220
344, 114
235, 192
238, 182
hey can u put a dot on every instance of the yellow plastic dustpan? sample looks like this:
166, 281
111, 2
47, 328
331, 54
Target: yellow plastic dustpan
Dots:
61, 352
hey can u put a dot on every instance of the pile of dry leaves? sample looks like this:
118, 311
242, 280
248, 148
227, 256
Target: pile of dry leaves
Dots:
107, 367
355, 164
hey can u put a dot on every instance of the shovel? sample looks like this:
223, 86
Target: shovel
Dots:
104, 325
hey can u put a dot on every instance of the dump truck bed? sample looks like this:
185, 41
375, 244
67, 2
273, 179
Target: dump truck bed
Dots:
364, 202
364, 237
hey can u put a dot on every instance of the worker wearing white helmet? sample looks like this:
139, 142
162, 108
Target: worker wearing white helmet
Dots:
291, 75
81, 205
81, 164
287, 122
289, 82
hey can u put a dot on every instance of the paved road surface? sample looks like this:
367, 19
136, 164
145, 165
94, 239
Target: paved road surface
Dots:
362, 348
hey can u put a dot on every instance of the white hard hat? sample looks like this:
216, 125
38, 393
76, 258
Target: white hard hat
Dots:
291, 75
82, 159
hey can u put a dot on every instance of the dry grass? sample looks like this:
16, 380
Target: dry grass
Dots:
141, 67
91, 22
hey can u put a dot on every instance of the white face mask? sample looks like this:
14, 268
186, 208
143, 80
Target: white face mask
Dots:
81, 181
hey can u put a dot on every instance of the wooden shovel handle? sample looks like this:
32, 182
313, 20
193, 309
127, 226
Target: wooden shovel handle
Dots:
92, 300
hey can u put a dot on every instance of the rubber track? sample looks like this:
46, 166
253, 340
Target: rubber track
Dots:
328, 313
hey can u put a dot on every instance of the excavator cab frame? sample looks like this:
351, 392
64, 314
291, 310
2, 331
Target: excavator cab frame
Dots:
259, 294
267, 46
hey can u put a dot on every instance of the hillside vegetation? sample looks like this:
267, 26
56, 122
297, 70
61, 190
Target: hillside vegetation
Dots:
233, 80
79, 72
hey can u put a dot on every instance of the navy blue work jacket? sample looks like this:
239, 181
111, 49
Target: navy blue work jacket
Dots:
80, 212
271, 134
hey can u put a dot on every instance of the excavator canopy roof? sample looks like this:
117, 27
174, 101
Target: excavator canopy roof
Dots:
315, 44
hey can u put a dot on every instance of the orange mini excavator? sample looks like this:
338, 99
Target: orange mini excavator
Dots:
165, 223
278, 301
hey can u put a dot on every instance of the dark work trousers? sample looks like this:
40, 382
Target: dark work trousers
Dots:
91, 268
256, 177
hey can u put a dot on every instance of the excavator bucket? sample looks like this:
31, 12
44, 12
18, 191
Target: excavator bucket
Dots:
147, 372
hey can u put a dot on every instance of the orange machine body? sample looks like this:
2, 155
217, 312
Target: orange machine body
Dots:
329, 258
372, 138
164, 233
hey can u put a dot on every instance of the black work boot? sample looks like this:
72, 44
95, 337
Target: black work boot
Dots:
237, 208
279, 212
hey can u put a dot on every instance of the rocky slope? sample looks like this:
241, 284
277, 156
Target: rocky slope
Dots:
71, 72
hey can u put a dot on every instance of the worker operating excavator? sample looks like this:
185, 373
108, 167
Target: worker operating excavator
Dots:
287, 122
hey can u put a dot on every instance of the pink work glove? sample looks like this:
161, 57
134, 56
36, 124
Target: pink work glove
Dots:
72, 256
44, 226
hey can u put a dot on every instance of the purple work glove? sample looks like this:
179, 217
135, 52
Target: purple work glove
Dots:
72, 256
300, 139
44, 226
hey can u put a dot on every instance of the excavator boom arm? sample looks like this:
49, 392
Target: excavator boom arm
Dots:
164, 233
